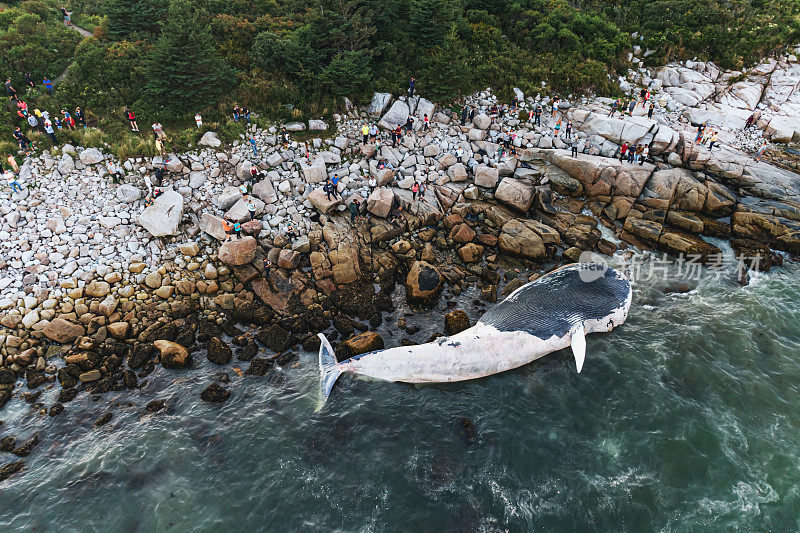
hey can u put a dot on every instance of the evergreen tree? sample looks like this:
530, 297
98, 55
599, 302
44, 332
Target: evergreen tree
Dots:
184, 70
431, 20
131, 19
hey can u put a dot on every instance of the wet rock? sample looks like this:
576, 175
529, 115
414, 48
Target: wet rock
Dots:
456, 322
423, 284
215, 393
520, 237
275, 338
468, 431
67, 395
218, 352
56, 409
155, 405
7, 444
248, 351
366, 342
10, 469
104, 419
259, 366
470, 253
172, 354
26, 449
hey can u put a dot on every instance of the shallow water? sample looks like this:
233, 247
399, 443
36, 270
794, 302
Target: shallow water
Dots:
685, 419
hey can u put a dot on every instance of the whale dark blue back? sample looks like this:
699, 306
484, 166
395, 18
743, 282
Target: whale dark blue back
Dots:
554, 303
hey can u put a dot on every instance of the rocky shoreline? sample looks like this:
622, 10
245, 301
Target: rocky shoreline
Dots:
98, 291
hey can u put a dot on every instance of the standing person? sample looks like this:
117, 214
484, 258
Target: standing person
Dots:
568, 130
464, 114
32, 122
398, 132
373, 133
414, 191
409, 125
411, 88
631, 154
632, 106
267, 268
285, 137
557, 128
335, 185
645, 154
236, 112
158, 129
574, 146
426, 123
29, 80
131, 119
365, 133
48, 85
198, 120
48, 128
761, 150
713, 140
700, 129
12, 182
159, 146
530, 116
245, 113
251, 208
12, 93
254, 146
639, 152
539, 111
372, 184
393, 137
555, 107
237, 229
650, 110
253, 173
13, 164
116, 172
353, 210
58, 123
68, 120
614, 107
79, 116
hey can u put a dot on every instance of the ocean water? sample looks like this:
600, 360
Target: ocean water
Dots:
687, 418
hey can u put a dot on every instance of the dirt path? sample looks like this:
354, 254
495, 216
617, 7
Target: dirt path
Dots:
84, 33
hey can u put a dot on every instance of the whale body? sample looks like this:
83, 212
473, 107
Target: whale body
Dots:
548, 314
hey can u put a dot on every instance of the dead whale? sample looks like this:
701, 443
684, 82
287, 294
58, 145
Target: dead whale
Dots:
543, 316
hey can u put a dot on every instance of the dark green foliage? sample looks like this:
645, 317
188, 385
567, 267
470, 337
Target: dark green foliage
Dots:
133, 18
184, 71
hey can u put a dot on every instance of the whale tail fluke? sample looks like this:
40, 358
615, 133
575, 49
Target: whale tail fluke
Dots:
578, 343
327, 368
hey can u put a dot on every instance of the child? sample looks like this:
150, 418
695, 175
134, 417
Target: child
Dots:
199, 120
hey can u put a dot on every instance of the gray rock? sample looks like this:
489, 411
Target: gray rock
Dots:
91, 156
164, 215
210, 138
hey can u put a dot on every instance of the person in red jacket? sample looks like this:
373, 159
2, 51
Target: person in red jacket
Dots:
622, 150
132, 119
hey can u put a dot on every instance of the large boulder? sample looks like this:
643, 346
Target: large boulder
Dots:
319, 199
782, 129
457, 172
172, 354
423, 283
238, 252
516, 193
91, 156
396, 116
62, 331
213, 226
380, 201
482, 122
317, 125
164, 215
486, 176
264, 191
520, 237
369, 341
456, 321
229, 196
218, 352
315, 172
128, 193
240, 211
379, 103
210, 138
425, 107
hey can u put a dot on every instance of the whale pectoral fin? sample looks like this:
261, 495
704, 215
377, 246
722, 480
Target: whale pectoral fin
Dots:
578, 342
